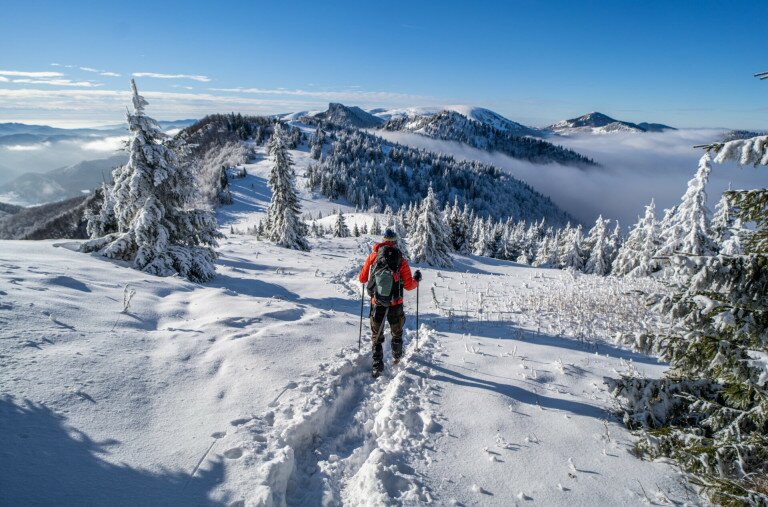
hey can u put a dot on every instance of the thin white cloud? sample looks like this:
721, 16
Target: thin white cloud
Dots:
57, 82
28, 147
107, 144
352, 94
100, 72
157, 75
19, 73
4, 79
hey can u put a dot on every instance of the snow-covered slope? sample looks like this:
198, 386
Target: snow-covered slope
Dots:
599, 123
420, 115
125, 389
511, 139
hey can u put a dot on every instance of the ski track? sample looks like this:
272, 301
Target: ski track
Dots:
342, 438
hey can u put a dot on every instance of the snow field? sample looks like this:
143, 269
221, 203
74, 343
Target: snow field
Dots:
527, 418
340, 437
123, 389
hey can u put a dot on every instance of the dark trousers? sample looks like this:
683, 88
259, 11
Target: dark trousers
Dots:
396, 318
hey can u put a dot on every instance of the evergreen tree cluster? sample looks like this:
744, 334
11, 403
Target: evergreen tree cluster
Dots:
452, 126
686, 229
372, 174
710, 411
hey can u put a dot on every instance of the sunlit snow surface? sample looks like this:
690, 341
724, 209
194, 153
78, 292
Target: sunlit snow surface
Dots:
250, 390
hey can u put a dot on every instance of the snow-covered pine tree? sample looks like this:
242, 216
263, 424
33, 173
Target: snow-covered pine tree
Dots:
430, 239
482, 236
571, 255
635, 257
318, 139
600, 251
687, 229
457, 223
544, 252
150, 206
615, 241
356, 231
513, 240
727, 230
400, 230
376, 227
710, 412
101, 220
340, 229
286, 227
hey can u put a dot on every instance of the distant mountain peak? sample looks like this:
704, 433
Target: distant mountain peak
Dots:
599, 123
348, 116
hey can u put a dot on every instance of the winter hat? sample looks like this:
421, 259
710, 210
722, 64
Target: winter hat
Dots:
390, 235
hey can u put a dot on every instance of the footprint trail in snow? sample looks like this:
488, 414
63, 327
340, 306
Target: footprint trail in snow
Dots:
342, 438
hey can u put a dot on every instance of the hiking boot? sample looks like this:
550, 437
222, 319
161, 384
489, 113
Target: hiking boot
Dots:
378, 367
395, 361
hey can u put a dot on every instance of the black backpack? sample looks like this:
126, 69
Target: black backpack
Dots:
384, 282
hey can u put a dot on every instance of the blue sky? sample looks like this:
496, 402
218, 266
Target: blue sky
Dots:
685, 63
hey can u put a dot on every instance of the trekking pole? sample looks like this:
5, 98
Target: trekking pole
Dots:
362, 304
417, 317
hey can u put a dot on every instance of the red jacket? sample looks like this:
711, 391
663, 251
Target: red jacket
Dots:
405, 271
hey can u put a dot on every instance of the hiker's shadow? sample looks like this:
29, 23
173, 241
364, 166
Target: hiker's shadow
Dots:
44, 461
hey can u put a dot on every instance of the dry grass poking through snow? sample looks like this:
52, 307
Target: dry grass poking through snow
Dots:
558, 303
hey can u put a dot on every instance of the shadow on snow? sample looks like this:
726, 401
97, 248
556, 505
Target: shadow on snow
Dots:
45, 462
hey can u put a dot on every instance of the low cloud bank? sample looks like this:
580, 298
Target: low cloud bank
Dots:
634, 168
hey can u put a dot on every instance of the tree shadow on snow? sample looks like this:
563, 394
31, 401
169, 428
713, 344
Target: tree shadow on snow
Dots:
43, 461
515, 393
250, 196
505, 330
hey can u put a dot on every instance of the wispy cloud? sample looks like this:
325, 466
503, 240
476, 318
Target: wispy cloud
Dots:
57, 82
157, 75
351, 94
100, 72
19, 73
28, 147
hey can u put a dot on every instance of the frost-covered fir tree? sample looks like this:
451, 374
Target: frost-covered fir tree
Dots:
340, 229
687, 229
457, 222
150, 207
571, 255
430, 239
482, 236
101, 220
615, 241
545, 253
727, 230
376, 227
636, 255
514, 239
599, 262
286, 227
710, 412
316, 150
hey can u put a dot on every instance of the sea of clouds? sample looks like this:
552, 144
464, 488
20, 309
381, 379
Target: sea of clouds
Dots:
634, 168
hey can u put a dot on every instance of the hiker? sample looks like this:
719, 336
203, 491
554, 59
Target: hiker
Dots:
386, 273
